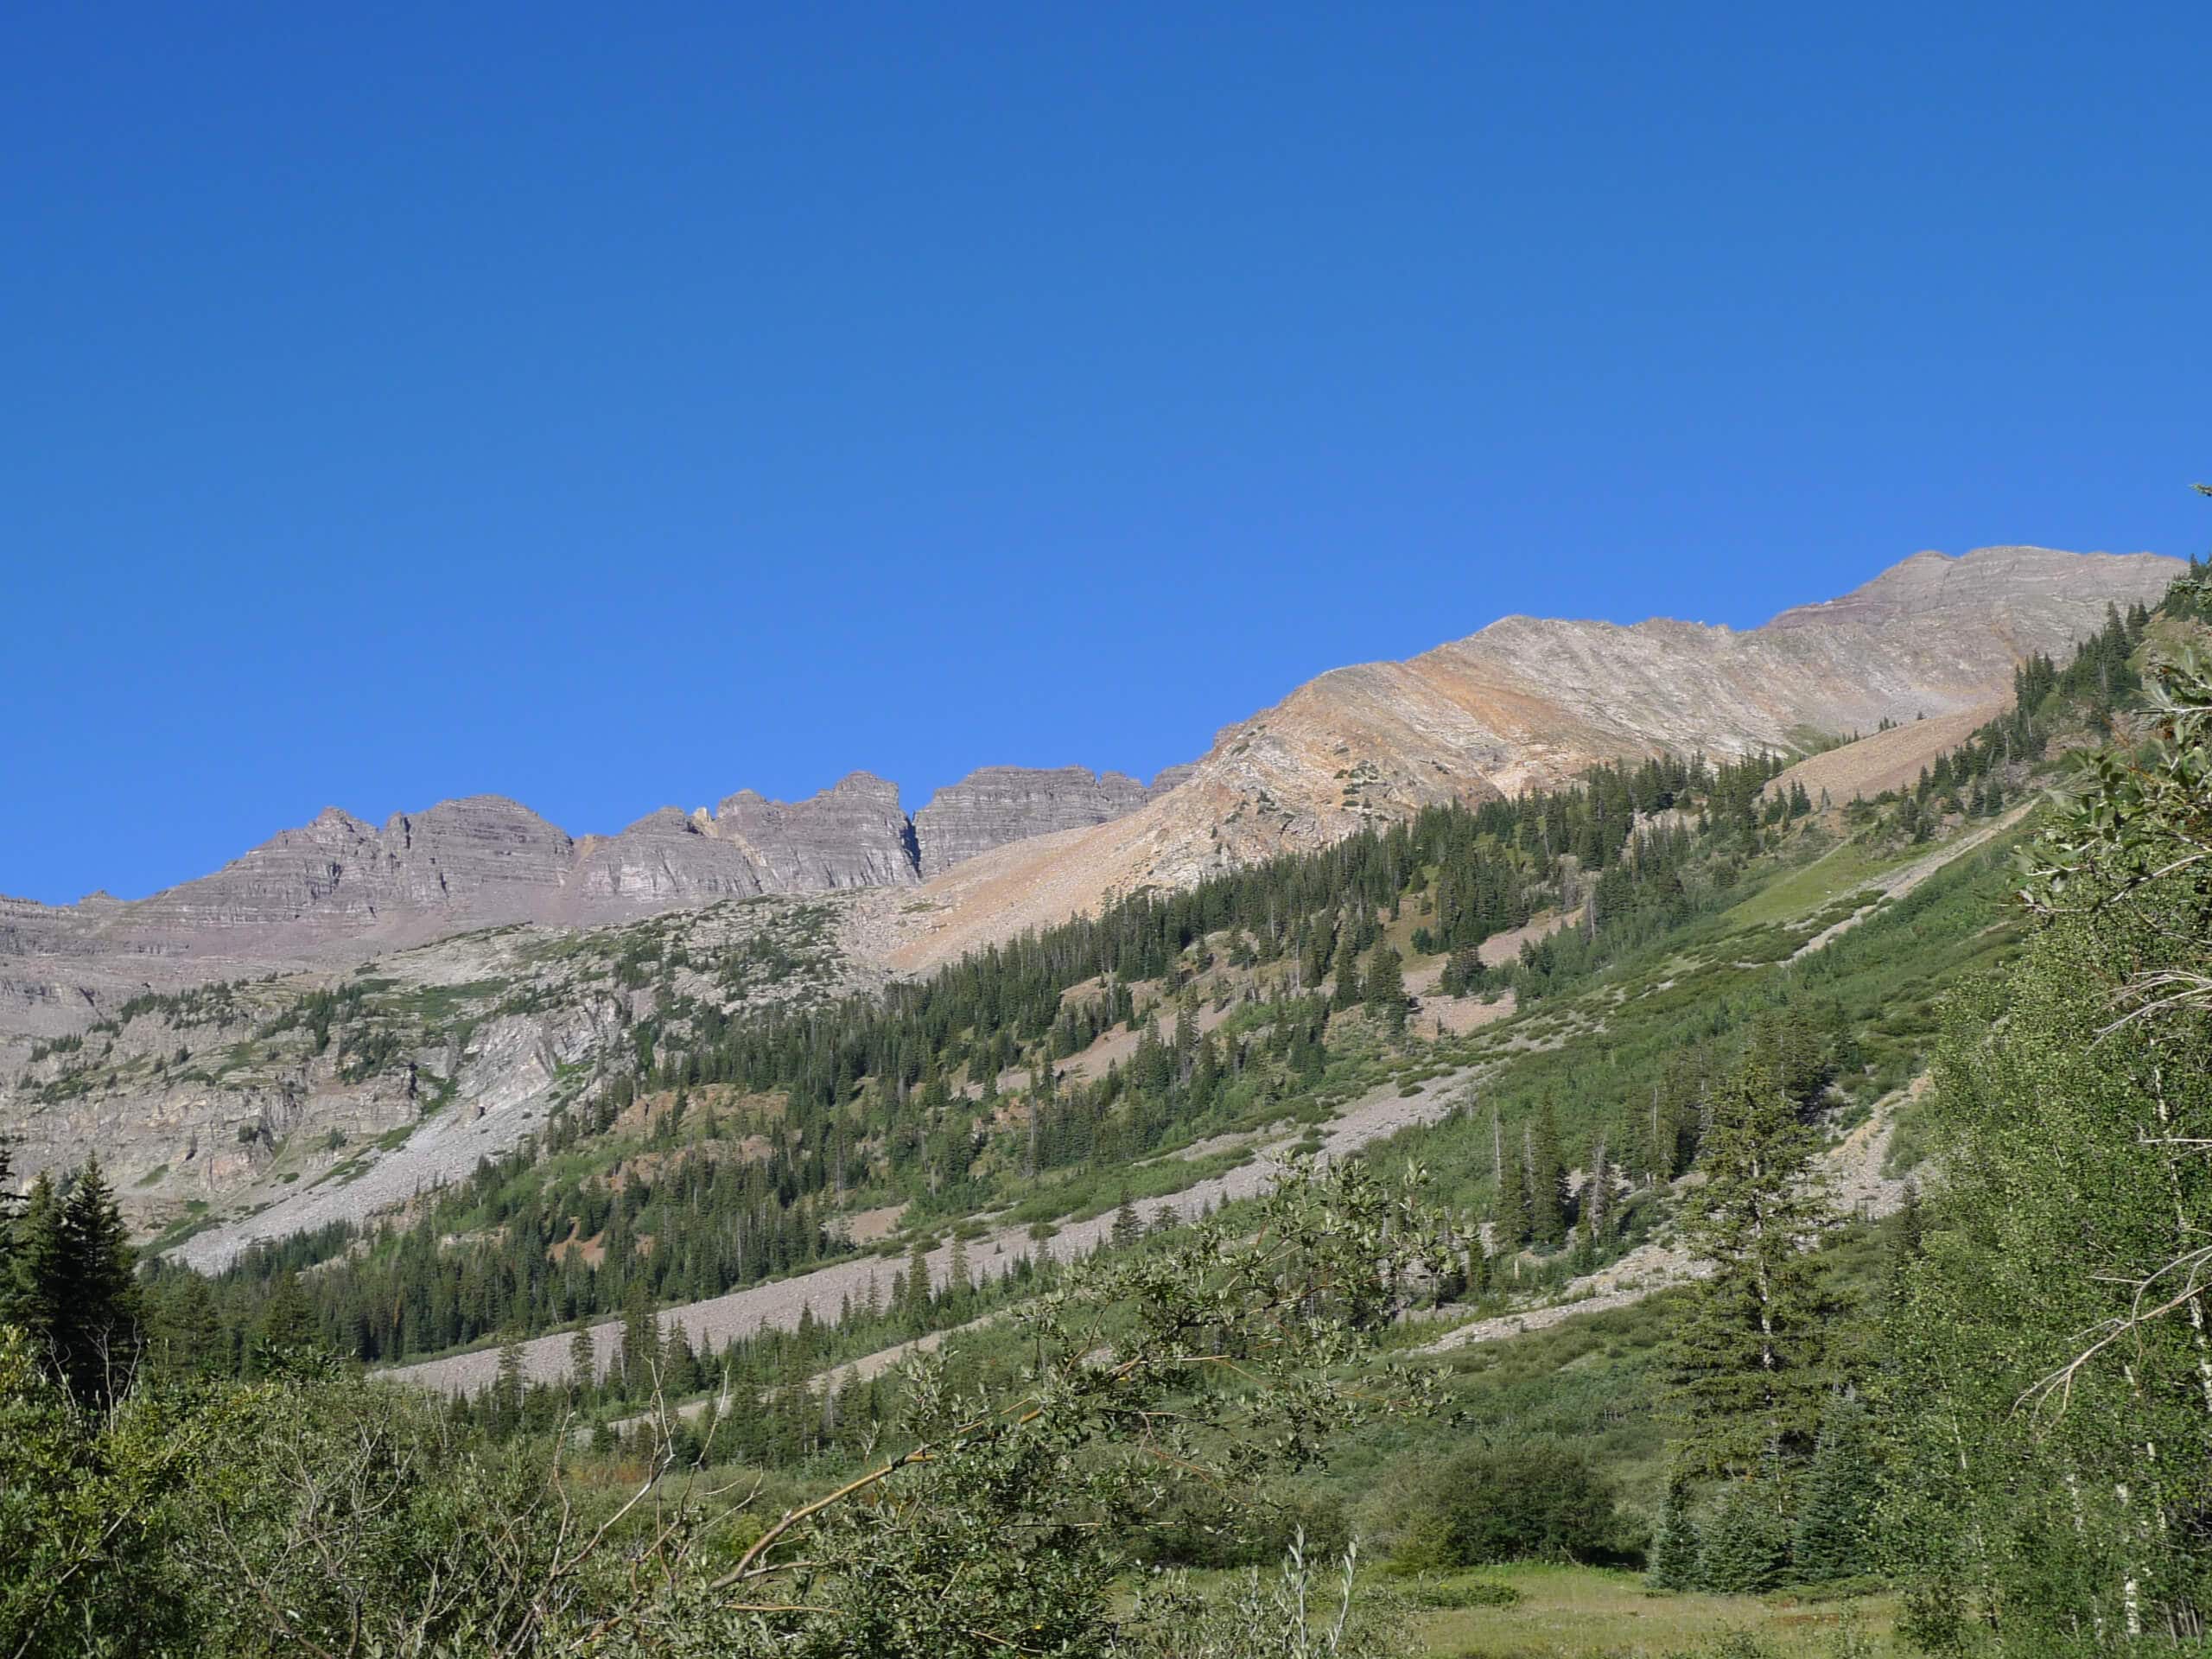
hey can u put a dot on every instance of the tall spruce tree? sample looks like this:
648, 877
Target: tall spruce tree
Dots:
38, 1299
1832, 1535
1751, 1373
76, 1293
1386, 989
1547, 1167
1675, 1547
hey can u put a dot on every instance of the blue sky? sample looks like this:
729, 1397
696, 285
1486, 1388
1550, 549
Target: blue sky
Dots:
615, 406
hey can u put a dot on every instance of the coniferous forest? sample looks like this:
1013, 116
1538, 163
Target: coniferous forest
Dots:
1814, 1251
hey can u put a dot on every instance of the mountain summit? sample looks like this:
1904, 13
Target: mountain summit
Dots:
1528, 703
1524, 703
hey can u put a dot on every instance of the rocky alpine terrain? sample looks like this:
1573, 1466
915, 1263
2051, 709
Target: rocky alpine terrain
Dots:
351, 1013
1528, 703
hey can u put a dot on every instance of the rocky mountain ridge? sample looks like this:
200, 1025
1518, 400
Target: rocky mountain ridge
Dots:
338, 887
492, 961
1528, 703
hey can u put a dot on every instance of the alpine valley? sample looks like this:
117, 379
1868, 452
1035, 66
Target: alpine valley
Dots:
1472, 1120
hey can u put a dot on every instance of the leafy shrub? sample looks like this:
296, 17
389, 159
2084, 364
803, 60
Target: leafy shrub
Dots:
1536, 1501
1459, 1592
1198, 1527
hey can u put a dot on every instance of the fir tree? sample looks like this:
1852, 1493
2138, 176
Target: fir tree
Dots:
915, 1303
1127, 1227
184, 1332
957, 1280
39, 1299
95, 1331
507, 1391
1749, 1363
286, 1325
584, 1362
1746, 1546
1546, 1169
639, 1355
1675, 1547
1835, 1510
1386, 989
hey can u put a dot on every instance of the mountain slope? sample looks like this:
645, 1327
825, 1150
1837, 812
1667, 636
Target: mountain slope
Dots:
1529, 703
338, 889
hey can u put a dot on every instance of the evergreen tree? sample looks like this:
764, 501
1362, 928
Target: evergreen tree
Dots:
640, 1355
1547, 1167
584, 1362
1675, 1547
39, 1300
1751, 1363
1835, 1509
1386, 989
1127, 1227
184, 1332
957, 1280
508, 1390
1746, 1545
915, 1303
286, 1325
75, 1290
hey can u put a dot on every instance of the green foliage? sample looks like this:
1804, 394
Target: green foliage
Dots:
312, 1512
73, 1290
1744, 1546
1832, 1535
1532, 1501
1675, 1545
1751, 1367
2049, 1408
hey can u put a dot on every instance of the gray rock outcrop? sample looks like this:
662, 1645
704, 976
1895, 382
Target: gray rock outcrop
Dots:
998, 805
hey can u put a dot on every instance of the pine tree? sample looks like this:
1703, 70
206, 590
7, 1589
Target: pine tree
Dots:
915, 1304
1836, 1510
1749, 1363
1127, 1227
584, 1362
286, 1325
1746, 1546
184, 1333
1386, 989
507, 1392
680, 1364
39, 1299
957, 1280
1675, 1547
639, 1355
1546, 1169
80, 1298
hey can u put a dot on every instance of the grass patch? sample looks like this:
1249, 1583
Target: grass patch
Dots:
1571, 1611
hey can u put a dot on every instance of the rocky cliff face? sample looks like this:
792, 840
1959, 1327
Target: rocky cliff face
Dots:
998, 805
338, 889
853, 834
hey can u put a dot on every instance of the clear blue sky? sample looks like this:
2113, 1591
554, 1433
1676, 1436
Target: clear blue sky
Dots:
618, 406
